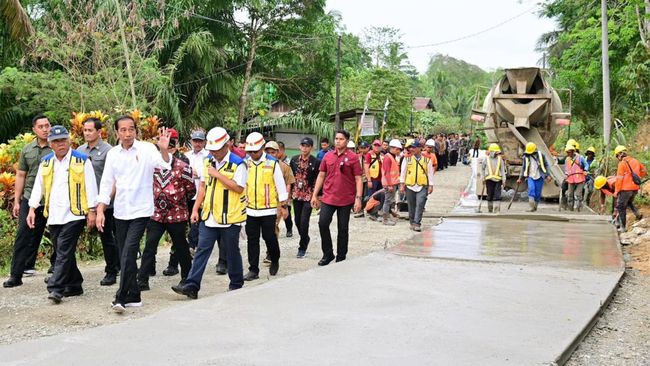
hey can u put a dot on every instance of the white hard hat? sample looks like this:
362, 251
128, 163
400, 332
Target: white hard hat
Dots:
216, 138
351, 144
430, 142
395, 143
254, 141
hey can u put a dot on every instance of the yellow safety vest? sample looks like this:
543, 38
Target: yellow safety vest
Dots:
416, 173
262, 192
226, 206
375, 165
491, 174
76, 183
540, 161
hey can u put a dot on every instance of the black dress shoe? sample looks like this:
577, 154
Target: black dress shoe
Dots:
187, 291
50, 270
250, 276
55, 297
144, 285
289, 234
170, 271
273, 269
69, 292
109, 279
46, 280
221, 269
340, 259
325, 261
12, 282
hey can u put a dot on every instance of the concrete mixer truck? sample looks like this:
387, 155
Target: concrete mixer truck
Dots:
522, 107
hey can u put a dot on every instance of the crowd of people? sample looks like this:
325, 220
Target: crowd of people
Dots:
218, 192
223, 192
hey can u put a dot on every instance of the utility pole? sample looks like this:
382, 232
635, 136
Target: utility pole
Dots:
337, 116
544, 61
126, 53
607, 111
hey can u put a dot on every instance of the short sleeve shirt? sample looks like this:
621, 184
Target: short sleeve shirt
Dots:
340, 171
97, 156
30, 158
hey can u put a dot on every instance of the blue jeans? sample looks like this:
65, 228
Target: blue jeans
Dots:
535, 188
228, 238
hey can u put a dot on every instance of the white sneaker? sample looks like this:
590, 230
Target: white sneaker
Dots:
117, 307
29, 272
133, 304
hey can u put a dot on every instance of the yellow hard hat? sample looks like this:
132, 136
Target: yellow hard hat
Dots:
494, 148
599, 182
577, 146
409, 142
619, 149
569, 147
572, 142
591, 149
531, 148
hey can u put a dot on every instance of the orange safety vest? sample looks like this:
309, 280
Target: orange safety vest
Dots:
575, 173
432, 157
391, 177
624, 180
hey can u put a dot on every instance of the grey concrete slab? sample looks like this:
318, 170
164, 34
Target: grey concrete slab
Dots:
380, 309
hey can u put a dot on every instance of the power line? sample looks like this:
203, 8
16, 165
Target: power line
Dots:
475, 33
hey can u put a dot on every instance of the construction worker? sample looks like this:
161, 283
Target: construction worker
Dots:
493, 171
372, 167
574, 168
390, 179
590, 168
607, 187
628, 181
267, 197
66, 183
430, 152
535, 169
416, 180
222, 204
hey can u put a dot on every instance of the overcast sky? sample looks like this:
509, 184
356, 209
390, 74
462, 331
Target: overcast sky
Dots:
425, 22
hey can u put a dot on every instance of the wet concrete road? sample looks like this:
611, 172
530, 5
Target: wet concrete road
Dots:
585, 245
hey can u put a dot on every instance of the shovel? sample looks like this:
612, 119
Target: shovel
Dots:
513, 196
481, 198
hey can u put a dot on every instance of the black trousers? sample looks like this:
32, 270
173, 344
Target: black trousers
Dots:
181, 248
453, 157
66, 274
128, 234
266, 226
109, 246
625, 199
493, 190
287, 222
441, 161
27, 240
343, 222
303, 213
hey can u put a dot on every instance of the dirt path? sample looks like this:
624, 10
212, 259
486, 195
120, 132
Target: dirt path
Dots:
25, 312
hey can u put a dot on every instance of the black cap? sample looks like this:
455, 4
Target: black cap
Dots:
307, 141
364, 144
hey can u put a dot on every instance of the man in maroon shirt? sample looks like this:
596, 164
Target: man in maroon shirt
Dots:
340, 179
171, 189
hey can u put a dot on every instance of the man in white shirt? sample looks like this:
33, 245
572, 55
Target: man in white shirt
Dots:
222, 199
129, 168
196, 157
267, 197
66, 182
